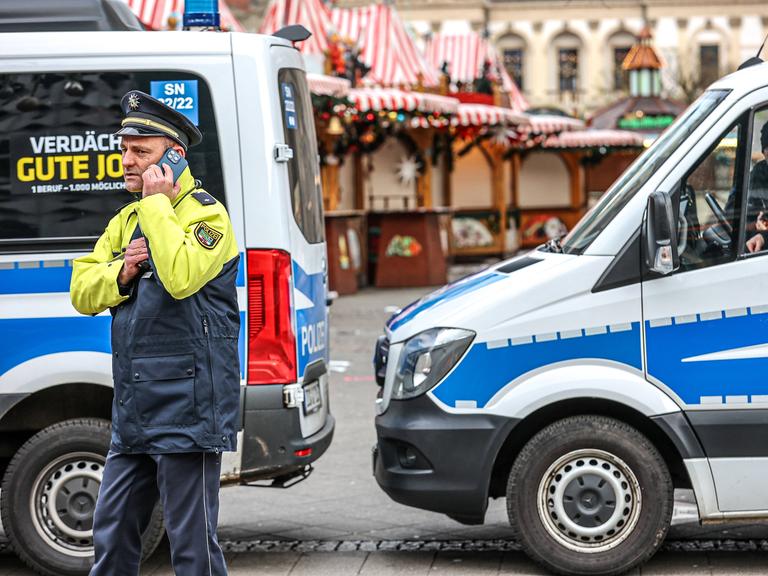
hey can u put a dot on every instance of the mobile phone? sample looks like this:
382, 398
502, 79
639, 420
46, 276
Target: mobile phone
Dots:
176, 161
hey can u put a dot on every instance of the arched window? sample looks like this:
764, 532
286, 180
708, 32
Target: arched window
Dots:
567, 49
512, 48
619, 45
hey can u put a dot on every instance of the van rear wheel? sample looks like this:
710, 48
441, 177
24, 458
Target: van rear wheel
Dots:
589, 495
49, 495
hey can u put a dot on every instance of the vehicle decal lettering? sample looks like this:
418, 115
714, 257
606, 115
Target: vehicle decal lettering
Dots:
311, 324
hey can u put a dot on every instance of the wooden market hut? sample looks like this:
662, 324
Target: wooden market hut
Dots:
477, 187
402, 121
495, 179
375, 143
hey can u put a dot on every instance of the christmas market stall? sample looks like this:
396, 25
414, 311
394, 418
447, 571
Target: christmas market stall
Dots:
397, 134
562, 198
549, 181
482, 179
489, 123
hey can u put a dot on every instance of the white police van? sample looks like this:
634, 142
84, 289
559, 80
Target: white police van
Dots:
60, 183
585, 380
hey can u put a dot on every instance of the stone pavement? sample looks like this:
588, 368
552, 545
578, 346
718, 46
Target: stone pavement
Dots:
390, 563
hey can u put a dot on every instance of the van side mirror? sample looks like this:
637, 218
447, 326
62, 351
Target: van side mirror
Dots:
661, 235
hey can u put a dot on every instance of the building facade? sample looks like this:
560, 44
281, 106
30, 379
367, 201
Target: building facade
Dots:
568, 54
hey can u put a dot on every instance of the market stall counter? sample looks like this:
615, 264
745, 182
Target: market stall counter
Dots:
409, 247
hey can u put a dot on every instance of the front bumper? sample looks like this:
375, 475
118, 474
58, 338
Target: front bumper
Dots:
272, 436
434, 460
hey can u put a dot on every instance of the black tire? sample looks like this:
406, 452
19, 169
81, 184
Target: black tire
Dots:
69, 452
589, 495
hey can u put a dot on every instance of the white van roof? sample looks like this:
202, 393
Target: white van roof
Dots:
73, 44
744, 81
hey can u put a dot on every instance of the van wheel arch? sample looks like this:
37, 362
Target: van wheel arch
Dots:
48, 406
538, 420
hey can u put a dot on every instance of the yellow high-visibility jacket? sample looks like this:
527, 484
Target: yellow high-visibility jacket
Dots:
183, 262
175, 331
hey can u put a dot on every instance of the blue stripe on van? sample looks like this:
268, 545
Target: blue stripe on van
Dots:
673, 345
485, 371
240, 281
35, 278
40, 277
444, 294
27, 338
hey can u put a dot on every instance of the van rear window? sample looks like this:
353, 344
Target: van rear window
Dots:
303, 169
60, 165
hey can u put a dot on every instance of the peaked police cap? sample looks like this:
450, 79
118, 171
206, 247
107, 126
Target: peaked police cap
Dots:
147, 116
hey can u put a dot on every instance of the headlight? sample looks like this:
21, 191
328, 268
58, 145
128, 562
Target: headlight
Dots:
426, 358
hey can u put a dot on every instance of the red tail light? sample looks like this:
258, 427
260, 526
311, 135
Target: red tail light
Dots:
271, 341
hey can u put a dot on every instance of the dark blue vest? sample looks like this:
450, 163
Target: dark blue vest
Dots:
176, 368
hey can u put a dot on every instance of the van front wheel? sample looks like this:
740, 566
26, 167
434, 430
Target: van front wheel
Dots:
589, 495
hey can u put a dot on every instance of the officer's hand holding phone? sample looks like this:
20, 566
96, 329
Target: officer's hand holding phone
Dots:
163, 180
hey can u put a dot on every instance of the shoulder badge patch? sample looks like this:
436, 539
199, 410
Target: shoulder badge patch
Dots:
204, 198
207, 236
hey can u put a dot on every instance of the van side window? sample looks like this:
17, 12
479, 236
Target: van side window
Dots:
757, 186
61, 176
710, 205
303, 168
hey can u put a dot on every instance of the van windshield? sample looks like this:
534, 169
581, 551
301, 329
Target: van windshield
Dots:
622, 191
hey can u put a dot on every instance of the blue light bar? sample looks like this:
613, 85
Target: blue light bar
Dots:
201, 13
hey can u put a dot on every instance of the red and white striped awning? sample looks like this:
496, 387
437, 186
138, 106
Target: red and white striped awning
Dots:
594, 139
384, 46
486, 115
154, 13
392, 99
312, 14
328, 85
552, 123
466, 54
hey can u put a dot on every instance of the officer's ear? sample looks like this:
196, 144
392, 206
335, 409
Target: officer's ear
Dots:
177, 147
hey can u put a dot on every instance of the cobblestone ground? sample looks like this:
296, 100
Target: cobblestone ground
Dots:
339, 521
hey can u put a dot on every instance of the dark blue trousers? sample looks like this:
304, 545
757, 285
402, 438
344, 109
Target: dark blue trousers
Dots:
188, 487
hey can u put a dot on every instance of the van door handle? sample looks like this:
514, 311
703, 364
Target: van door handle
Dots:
283, 153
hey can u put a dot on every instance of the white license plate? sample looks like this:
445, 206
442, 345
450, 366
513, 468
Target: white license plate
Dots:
312, 397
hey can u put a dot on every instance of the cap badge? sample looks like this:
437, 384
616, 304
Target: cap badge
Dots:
133, 101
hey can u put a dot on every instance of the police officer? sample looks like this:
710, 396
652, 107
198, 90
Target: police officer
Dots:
166, 267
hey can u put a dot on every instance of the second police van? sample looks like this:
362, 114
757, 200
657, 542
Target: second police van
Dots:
61, 182
585, 380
